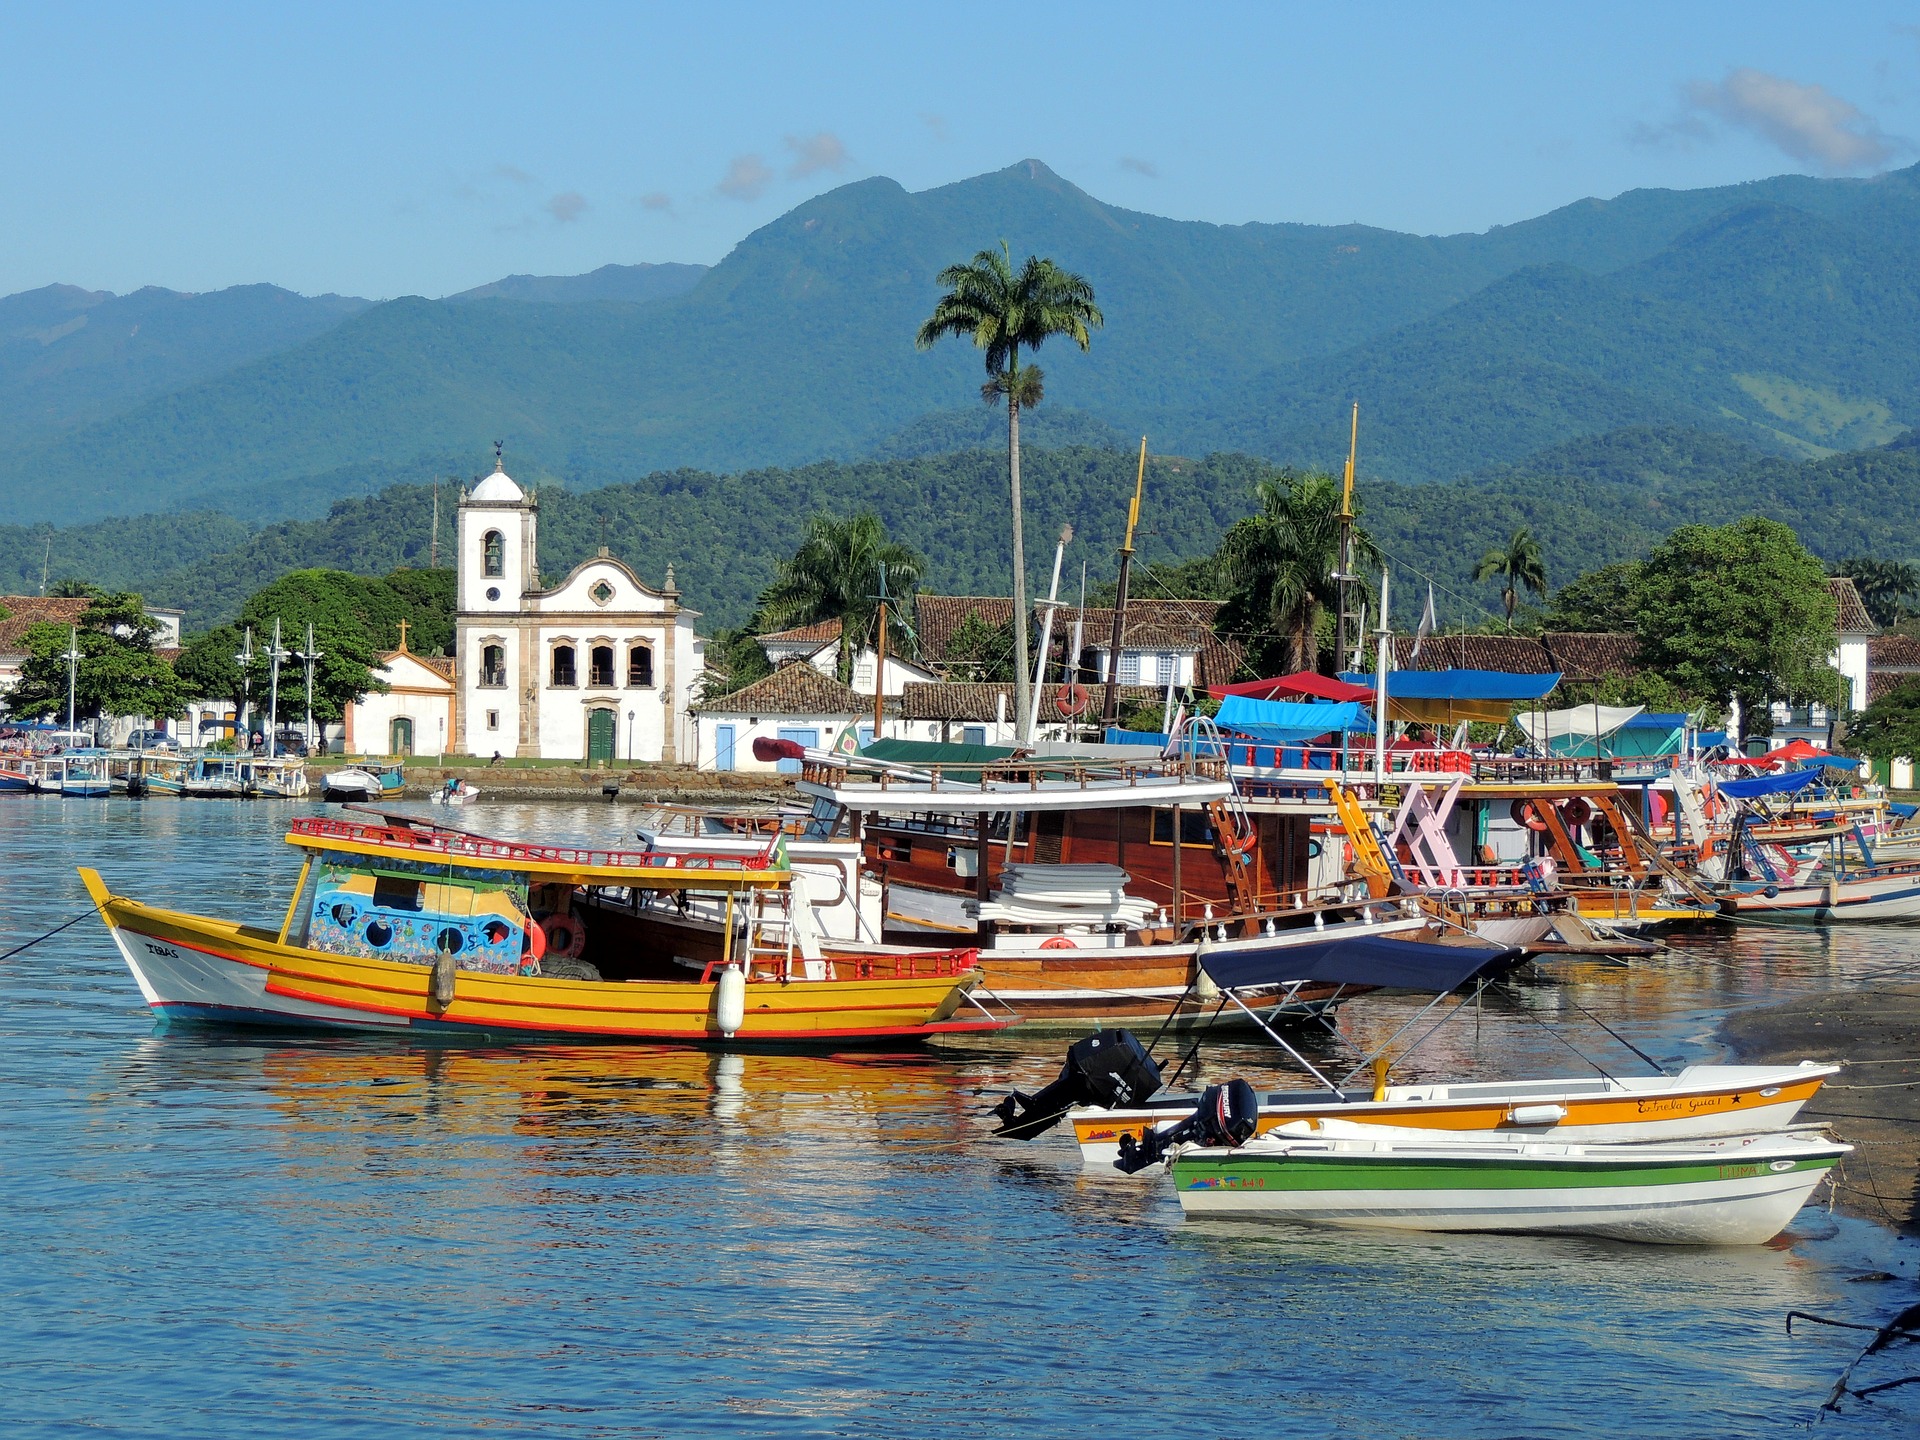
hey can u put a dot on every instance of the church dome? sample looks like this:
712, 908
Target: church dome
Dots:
497, 489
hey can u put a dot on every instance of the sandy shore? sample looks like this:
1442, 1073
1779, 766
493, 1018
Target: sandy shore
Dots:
1873, 1104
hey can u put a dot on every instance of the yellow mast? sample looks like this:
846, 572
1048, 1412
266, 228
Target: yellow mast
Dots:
1110, 706
1346, 540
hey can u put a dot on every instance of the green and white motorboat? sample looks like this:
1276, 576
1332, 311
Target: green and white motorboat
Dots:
1741, 1190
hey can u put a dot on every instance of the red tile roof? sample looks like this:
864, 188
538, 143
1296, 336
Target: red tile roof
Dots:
962, 700
820, 631
1854, 619
1578, 655
794, 689
1181, 626
25, 610
1593, 654
1893, 650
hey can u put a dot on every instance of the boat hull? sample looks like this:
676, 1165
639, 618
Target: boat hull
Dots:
193, 968
1733, 1197
1891, 898
1703, 1101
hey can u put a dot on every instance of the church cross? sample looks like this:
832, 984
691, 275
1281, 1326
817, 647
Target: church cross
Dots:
403, 634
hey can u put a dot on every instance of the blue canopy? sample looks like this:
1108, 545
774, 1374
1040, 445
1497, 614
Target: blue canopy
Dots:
1459, 684
1280, 722
1352, 960
1657, 720
1771, 784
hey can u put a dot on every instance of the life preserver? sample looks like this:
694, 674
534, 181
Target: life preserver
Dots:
1657, 805
1071, 700
1576, 812
1524, 812
536, 941
1058, 942
565, 936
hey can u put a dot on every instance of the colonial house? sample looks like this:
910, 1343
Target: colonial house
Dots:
978, 713
795, 703
818, 645
1165, 642
418, 714
599, 667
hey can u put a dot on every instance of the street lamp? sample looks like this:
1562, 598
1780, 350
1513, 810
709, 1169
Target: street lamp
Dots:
72, 657
307, 658
629, 737
277, 654
245, 660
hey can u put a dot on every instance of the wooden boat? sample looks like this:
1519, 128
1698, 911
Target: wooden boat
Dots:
1701, 1101
1734, 1191
215, 777
277, 778
362, 782
1880, 893
85, 776
395, 928
19, 773
157, 776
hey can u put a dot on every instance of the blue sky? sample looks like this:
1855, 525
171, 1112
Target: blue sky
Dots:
419, 149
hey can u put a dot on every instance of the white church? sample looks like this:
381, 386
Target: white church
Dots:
597, 668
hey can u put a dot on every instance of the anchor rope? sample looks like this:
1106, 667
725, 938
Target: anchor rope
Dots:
90, 911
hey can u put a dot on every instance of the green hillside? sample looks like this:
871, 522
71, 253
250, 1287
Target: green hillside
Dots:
1778, 312
1590, 502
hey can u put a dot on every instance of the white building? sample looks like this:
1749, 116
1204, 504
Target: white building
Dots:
418, 715
818, 645
794, 703
596, 668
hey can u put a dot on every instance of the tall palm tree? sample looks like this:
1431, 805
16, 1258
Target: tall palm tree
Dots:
1004, 312
1281, 560
836, 575
1519, 565
1884, 586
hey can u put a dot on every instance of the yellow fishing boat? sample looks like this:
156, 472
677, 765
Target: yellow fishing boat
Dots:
401, 926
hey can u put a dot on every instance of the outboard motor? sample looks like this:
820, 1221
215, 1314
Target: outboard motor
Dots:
1226, 1115
1111, 1068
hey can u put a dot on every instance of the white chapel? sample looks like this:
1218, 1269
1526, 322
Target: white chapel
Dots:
597, 668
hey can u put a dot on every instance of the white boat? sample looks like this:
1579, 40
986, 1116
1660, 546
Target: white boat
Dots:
1735, 1191
215, 777
1702, 1101
455, 792
352, 783
278, 778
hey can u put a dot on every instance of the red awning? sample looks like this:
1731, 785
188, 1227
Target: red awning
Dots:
1318, 687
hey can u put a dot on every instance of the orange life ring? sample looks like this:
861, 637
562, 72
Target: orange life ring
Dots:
1576, 811
536, 940
566, 936
1058, 942
1525, 813
1071, 700
1711, 807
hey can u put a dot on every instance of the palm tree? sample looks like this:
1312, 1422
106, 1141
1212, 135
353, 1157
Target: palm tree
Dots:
836, 574
1281, 560
1884, 586
1003, 313
1519, 566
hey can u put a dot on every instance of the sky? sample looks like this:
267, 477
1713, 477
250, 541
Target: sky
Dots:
384, 150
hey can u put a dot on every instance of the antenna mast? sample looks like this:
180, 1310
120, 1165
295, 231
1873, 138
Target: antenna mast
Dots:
1344, 574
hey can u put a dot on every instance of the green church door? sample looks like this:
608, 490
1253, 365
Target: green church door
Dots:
600, 731
400, 736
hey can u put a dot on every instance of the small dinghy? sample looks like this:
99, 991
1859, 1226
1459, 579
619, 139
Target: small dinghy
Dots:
1737, 1191
351, 784
455, 792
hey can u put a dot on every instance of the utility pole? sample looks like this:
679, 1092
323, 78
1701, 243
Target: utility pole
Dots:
46, 559
433, 546
1110, 706
307, 657
72, 657
1345, 573
245, 660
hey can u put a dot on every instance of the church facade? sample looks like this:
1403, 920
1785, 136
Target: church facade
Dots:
596, 669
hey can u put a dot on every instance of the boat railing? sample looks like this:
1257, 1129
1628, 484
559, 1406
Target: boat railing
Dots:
917, 965
1048, 771
512, 853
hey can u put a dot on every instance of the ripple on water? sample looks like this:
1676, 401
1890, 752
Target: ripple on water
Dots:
210, 1232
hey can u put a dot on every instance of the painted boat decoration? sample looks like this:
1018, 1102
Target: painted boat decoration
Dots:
1700, 1102
1735, 1191
401, 929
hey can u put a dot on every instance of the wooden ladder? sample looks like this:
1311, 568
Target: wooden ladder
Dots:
1233, 841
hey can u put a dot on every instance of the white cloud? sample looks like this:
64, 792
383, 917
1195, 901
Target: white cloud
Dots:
813, 153
567, 206
656, 200
1808, 123
1139, 166
746, 179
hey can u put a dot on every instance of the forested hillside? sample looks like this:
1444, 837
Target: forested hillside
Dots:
1590, 503
1778, 312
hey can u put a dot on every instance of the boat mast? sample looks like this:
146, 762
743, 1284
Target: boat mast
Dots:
275, 655
245, 657
1110, 706
72, 657
307, 657
1046, 628
1345, 573
880, 660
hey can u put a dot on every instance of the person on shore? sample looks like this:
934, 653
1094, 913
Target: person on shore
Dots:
495, 760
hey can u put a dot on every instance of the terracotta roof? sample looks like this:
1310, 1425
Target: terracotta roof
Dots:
1854, 619
796, 689
1183, 626
820, 631
1882, 683
1893, 652
1509, 654
1593, 654
25, 610
960, 700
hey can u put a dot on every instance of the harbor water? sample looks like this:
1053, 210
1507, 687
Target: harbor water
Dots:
223, 1232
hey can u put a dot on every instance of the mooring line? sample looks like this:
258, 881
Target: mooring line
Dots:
84, 914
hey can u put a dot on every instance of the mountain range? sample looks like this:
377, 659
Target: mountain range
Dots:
1779, 313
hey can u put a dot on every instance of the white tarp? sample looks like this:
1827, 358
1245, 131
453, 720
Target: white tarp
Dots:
1587, 721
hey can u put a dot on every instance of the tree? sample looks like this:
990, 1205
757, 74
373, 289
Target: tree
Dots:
1278, 564
1004, 313
1889, 728
1600, 600
1519, 566
734, 660
1884, 585
1739, 612
207, 669
982, 650
836, 574
354, 619
118, 672
425, 599
75, 589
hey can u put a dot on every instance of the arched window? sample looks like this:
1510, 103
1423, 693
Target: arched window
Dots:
563, 673
493, 554
640, 667
493, 666
600, 665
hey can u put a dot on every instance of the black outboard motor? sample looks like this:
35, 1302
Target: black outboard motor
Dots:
1111, 1068
1226, 1115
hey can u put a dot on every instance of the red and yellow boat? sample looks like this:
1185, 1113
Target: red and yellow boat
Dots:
397, 926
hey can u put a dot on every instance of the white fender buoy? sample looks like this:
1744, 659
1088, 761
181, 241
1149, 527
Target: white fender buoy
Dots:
1204, 988
730, 1001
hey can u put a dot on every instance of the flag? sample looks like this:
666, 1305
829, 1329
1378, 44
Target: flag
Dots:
1426, 623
